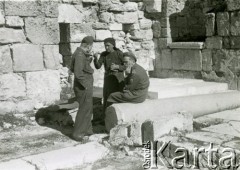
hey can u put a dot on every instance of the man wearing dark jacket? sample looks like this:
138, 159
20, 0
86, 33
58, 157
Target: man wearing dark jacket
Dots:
83, 88
136, 82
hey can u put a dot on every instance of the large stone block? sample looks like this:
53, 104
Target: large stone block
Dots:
210, 24
148, 45
207, 60
69, 14
100, 26
235, 23
235, 42
156, 26
166, 59
214, 42
8, 35
7, 107
153, 5
127, 17
142, 34
12, 86
106, 17
145, 23
223, 24
42, 30
116, 7
187, 60
2, 19
233, 5
102, 34
52, 58
115, 27
27, 57
14, 21
118, 35
50, 8
43, 86
131, 6
5, 59
23, 8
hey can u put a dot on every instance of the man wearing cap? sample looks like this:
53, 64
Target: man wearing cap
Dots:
83, 88
136, 83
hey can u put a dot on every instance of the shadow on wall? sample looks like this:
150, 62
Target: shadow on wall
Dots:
189, 24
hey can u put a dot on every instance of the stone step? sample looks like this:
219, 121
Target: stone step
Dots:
229, 128
176, 87
227, 115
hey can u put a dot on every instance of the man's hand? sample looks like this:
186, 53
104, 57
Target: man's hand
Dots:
96, 55
114, 67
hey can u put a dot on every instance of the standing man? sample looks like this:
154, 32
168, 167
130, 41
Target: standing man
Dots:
83, 88
136, 82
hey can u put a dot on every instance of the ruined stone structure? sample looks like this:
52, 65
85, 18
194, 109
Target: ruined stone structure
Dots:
171, 38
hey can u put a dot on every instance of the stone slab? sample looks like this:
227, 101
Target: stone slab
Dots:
12, 86
7, 107
153, 6
214, 42
183, 59
127, 17
5, 59
14, 21
210, 137
47, 84
233, 115
69, 14
17, 163
230, 128
9, 35
52, 58
69, 157
186, 45
233, 144
42, 30
27, 57
207, 60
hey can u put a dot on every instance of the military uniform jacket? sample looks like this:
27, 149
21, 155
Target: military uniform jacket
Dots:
81, 67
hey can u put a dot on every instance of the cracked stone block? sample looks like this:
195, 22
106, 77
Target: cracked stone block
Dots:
127, 17
210, 24
223, 24
5, 59
235, 23
42, 30
9, 35
14, 21
47, 84
23, 8
69, 14
102, 34
207, 60
27, 57
11, 86
187, 59
52, 59
214, 42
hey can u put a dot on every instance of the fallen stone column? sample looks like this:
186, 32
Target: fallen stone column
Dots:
198, 105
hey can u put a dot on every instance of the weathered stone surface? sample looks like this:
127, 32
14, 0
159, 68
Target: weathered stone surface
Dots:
163, 42
145, 24
233, 5
25, 106
5, 59
223, 24
118, 35
100, 26
14, 21
127, 17
98, 47
79, 31
7, 107
47, 84
214, 42
90, 14
226, 43
148, 45
165, 33
90, 1
2, 19
42, 30
106, 17
142, 34
52, 59
11, 86
69, 14
210, 24
50, 8
115, 27
186, 45
131, 6
117, 7
16, 163
130, 27
27, 57
153, 5
207, 60
23, 8
166, 59
187, 60
235, 42
156, 26
102, 34
8, 35
235, 23
227, 115
145, 58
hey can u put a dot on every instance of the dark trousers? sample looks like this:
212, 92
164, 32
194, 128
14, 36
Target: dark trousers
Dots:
83, 125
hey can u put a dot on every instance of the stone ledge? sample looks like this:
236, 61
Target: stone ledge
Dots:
186, 45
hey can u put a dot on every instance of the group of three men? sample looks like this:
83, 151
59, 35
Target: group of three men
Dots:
124, 81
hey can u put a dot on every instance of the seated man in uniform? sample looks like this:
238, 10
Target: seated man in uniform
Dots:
136, 82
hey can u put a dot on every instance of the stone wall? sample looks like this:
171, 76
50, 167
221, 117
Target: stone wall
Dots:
213, 56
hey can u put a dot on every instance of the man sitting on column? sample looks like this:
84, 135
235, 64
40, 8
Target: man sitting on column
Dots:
136, 82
